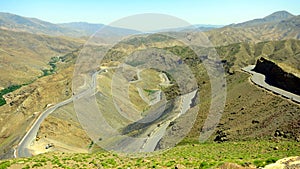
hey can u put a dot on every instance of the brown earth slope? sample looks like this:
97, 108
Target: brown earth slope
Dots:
29, 101
259, 32
23, 56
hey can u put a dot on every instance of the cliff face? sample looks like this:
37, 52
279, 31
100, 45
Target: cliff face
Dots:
276, 76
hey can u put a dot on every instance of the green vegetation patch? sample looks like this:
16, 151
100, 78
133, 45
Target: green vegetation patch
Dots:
52, 63
46, 72
5, 164
188, 154
7, 90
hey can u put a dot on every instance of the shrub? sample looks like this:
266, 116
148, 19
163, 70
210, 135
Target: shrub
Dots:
26, 167
2, 101
271, 160
259, 163
37, 165
111, 161
43, 160
204, 164
170, 163
7, 90
4, 165
104, 164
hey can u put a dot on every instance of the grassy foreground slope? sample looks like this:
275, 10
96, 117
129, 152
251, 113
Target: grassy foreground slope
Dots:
190, 155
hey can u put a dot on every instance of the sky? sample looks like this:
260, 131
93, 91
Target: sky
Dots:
215, 12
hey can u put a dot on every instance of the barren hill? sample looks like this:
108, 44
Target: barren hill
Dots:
278, 26
23, 56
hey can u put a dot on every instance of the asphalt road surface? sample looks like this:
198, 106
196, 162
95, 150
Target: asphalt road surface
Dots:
146, 144
155, 136
22, 150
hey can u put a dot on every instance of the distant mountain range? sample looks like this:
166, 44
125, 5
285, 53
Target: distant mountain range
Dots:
32, 25
281, 22
36, 41
274, 17
277, 26
82, 27
74, 29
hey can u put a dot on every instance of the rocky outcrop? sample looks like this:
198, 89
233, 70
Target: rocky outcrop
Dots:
228, 165
221, 136
276, 76
285, 163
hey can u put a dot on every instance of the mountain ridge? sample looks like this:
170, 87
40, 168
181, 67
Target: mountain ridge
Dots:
84, 27
19, 23
274, 17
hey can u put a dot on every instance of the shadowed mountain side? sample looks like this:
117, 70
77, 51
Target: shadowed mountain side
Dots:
276, 76
285, 53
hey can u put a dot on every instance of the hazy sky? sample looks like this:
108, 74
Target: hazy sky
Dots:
220, 12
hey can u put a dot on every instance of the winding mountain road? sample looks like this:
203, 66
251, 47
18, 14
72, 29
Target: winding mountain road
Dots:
156, 135
22, 148
259, 79
148, 145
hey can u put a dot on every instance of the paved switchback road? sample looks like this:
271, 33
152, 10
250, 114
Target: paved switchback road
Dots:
22, 148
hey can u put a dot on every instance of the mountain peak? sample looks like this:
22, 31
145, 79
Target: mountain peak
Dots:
277, 16
274, 17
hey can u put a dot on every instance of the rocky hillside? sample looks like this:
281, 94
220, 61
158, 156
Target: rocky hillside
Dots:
25, 104
274, 17
277, 26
